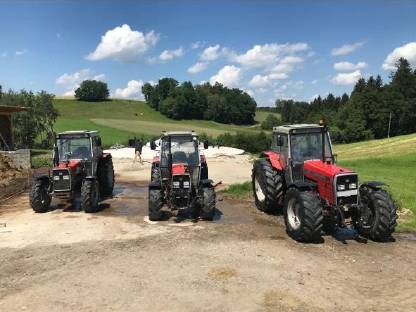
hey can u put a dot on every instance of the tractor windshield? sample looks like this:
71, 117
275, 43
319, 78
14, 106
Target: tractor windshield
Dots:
74, 148
307, 146
184, 149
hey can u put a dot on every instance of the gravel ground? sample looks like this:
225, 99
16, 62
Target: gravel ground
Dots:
66, 260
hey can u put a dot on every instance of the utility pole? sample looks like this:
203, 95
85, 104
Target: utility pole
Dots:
388, 132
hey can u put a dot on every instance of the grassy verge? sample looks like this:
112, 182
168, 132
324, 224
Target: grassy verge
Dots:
41, 158
238, 190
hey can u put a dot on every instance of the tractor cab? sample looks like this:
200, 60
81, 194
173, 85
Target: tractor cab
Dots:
299, 143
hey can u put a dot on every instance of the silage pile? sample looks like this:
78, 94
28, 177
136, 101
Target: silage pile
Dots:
8, 171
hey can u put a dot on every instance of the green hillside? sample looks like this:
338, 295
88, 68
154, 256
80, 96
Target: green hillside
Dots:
118, 120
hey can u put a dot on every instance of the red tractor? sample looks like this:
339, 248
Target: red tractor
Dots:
179, 178
300, 176
79, 165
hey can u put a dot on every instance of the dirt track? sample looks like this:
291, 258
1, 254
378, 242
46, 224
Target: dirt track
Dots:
66, 260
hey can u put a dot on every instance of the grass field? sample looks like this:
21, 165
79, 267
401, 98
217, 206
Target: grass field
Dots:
118, 120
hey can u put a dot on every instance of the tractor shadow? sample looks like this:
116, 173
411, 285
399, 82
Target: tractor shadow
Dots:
75, 205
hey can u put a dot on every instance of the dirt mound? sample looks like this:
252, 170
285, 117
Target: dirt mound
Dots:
9, 171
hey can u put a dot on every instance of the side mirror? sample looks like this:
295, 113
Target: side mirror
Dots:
206, 144
99, 141
152, 145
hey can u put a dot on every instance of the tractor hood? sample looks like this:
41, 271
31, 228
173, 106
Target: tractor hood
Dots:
71, 164
180, 168
323, 168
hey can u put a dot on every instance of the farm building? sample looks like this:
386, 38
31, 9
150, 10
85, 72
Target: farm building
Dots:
6, 133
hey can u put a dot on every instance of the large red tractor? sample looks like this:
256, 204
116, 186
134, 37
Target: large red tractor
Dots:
300, 176
79, 165
179, 178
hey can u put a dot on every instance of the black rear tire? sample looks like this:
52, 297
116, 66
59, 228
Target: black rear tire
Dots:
40, 198
155, 204
267, 185
305, 223
208, 203
378, 217
155, 174
106, 176
90, 195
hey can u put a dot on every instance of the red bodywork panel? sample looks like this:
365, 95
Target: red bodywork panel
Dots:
179, 168
315, 170
323, 174
71, 164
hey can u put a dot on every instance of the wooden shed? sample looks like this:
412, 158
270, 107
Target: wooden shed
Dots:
6, 133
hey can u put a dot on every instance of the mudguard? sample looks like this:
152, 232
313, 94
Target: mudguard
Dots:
373, 184
206, 182
90, 178
303, 185
274, 159
106, 156
42, 179
154, 185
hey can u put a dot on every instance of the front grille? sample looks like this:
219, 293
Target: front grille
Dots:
59, 183
348, 195
178, 182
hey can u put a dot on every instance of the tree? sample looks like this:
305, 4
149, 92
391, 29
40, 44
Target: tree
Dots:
270, 122
92, 90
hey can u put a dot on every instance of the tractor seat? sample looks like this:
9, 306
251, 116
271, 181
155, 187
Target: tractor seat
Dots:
179, 157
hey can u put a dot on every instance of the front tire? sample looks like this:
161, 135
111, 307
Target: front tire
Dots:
303, 215
267, 186
155, 204
377, 214
208, 204
40, 198
90, 195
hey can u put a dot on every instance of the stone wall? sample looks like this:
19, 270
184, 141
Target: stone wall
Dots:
21, 158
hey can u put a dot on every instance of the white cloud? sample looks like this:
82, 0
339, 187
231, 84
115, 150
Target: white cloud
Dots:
21, 52
168, 55
197, 67
314, 81
123, 44
211, 53
70, 82
267, 54
407, 51
347, 48
346, 78
229, 76
261, 81
348, 66
315, 96
196, 45
132, 91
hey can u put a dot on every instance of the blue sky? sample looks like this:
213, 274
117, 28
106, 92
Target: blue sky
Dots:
271, 49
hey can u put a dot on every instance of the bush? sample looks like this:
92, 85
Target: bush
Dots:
270, 122
250, 142
92, 90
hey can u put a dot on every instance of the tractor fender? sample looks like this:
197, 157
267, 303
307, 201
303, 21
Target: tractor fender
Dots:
274, 159
106, 156
373, 184
41, 179
303, 186
154, 185
90, 178
206, 182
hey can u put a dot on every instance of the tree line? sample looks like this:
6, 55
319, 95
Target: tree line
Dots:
373, 110
205, 101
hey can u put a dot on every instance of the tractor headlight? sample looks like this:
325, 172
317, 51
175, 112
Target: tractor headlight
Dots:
175, 184
65, 177
352, 186
186, 184
341, 187
56, 178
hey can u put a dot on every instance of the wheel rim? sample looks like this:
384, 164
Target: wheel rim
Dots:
293, 209
259, 191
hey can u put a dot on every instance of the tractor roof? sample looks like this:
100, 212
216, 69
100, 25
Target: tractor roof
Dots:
78, 133
287, 128
179, 133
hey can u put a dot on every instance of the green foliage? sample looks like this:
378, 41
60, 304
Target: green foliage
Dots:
92, 90
366, 113
250, 142
270, 122
239, 190
185, 101
38, 119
